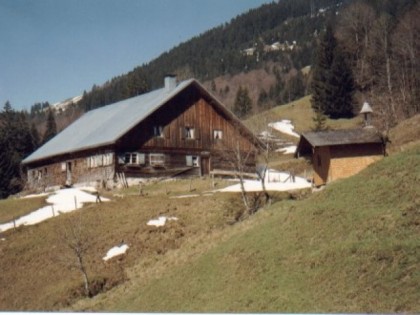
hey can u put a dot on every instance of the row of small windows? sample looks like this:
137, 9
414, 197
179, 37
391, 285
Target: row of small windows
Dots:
100, 160
187, 133
135, 158
155, 159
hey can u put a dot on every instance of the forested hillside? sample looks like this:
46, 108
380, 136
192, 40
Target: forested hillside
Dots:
221, 50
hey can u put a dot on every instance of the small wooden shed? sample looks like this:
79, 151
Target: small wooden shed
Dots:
340, 153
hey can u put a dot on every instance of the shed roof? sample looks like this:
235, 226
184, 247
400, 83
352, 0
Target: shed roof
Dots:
105, 125
337, 137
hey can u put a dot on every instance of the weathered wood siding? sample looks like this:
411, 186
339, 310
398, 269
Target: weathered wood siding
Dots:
321, 161
351, 159
72, 169
188, 109
334, 162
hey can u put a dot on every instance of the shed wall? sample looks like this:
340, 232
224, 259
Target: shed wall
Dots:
321, 159
351, 159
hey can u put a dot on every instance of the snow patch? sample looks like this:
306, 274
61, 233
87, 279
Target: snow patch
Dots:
185, 196
35, 195
284, 126
274, 181
62, 201
287, 150
115, 251
161, 221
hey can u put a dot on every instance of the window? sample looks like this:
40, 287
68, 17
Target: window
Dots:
134, 158
217, 134
193, 160
158, 131
63, 167
189, 133
157, 159
99, 160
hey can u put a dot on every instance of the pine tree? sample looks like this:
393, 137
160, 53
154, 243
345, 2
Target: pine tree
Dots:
342, 88
320, 120
15, 144
243, 103
321, 89
51, 129
36, 140
332, 82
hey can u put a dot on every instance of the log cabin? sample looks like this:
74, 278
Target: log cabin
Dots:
336, 154
178, 129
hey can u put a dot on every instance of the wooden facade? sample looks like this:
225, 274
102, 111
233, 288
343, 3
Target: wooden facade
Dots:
341, 153
188, 134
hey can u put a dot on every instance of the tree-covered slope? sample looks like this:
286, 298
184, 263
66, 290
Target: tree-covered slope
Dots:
219, 51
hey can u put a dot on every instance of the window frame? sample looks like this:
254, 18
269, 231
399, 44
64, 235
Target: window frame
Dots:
217, 134
192, 160
158, 131
157, 159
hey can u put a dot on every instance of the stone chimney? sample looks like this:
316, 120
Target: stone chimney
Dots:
170, 82
367, 113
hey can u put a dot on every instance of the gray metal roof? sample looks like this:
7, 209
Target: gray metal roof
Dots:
344, 136
107, 124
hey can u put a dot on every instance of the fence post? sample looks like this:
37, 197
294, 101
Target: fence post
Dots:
52, 208
75, 202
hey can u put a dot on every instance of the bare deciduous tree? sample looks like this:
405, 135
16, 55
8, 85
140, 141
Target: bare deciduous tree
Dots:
76, 242
353, 32
241, 158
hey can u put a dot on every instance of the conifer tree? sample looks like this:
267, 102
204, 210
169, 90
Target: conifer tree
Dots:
243, 103
332, 83
321, 89
51, 129
15, 144
36, 140
342, 88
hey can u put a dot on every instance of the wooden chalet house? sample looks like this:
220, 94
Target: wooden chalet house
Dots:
178, 129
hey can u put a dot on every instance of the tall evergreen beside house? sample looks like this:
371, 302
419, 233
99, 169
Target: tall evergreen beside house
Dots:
15, 142
332, 82
321, 89
342, 88
243, 103
51, 129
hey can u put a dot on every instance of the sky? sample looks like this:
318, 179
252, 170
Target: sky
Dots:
52, 50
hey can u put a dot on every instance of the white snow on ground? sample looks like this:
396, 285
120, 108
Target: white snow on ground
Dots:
287, 150
274, 181
185, 196
161, 221
284, 126
35, 195
63, 200
116, 251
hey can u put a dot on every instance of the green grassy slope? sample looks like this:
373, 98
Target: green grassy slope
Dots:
300, 113
354, 247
